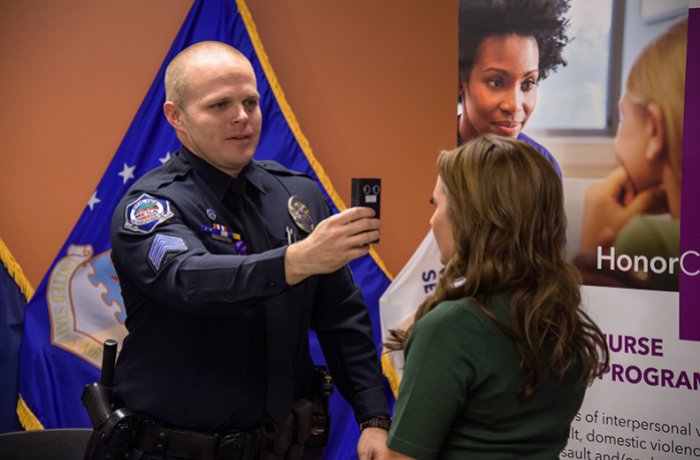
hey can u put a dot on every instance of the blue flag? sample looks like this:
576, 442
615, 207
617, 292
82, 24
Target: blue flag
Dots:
78, 303
14, 292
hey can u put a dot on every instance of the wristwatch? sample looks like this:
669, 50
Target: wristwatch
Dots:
376, 422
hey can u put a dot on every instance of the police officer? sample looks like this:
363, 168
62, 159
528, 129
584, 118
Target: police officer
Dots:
224, 263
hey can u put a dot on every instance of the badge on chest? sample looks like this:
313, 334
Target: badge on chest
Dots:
300, 213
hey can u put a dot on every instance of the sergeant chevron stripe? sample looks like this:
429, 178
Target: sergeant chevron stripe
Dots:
163, 244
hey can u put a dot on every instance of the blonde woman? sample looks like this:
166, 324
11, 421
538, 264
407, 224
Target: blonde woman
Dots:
648, 147
500, 355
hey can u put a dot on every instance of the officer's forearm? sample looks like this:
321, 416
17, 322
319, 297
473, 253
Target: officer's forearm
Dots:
295, 264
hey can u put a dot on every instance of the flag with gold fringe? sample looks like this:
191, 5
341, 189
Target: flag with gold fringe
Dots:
78, 303
15, 290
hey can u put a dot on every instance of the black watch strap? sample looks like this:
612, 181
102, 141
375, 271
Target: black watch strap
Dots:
376, 422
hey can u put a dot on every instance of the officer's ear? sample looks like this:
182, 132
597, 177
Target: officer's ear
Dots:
173, 114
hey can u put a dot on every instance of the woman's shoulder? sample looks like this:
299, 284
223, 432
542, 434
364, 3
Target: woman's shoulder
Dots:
525, 138
547, 154
464, 312
460, 326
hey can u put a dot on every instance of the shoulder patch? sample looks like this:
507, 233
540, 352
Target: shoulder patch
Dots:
163, 244
145, 213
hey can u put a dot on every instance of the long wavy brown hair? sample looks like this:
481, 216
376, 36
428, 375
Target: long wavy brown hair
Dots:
506, 207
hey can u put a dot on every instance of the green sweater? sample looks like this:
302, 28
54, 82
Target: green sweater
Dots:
652, 236
458, 396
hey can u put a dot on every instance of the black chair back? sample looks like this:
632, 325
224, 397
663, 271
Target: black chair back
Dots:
51, 444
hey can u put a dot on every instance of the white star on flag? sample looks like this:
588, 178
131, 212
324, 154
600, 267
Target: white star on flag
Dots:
93, 200
127, 173
165, 158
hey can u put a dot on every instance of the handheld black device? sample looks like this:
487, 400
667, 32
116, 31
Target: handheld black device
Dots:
367, 192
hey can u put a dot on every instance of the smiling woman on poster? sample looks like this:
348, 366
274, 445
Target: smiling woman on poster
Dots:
505, 49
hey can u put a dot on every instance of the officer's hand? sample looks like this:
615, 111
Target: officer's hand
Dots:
332, 244
372, 444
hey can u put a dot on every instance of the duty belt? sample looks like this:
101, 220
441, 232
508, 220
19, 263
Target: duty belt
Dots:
168, 442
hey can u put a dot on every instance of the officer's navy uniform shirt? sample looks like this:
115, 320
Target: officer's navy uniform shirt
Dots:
195, 355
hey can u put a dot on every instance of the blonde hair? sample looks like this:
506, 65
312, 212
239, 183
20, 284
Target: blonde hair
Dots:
506, 207
176, 77
658, 76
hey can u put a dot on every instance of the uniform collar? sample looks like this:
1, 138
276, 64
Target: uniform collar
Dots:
219, 181
255, 175
250, 177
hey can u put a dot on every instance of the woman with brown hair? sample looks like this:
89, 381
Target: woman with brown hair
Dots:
499, 356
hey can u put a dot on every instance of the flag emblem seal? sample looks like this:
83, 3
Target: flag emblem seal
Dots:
80, 285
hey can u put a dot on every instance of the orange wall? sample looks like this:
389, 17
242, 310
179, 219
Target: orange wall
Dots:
372, 84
